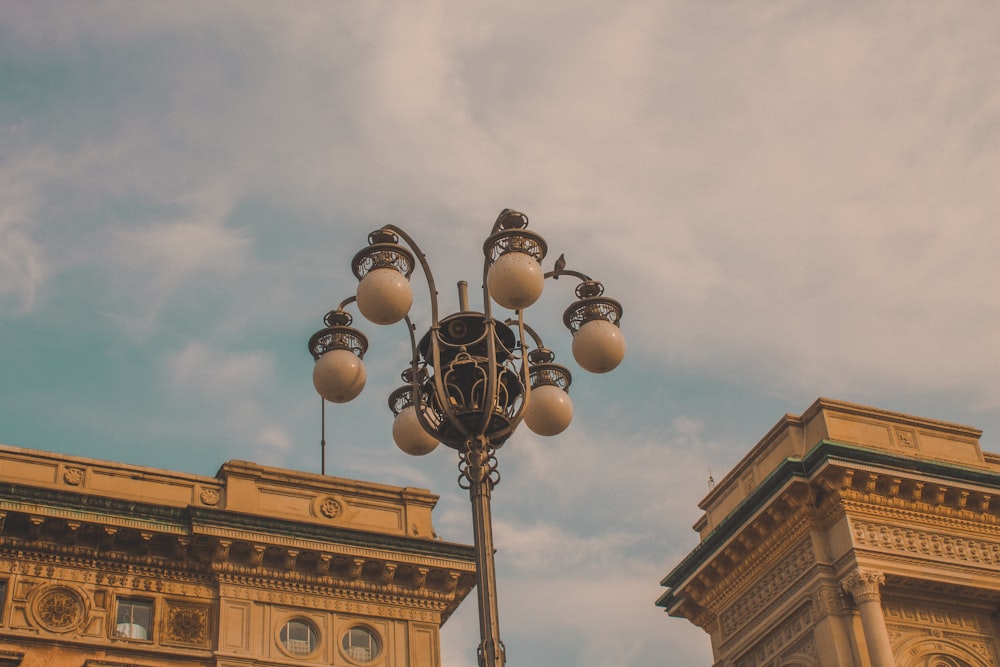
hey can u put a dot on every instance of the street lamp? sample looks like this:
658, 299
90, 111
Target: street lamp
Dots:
472, 378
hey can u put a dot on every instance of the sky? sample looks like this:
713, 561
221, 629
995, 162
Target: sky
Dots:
790, 200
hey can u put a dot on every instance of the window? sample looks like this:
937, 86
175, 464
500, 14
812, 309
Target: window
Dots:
361, 644
134, 619
298, 637
3, 597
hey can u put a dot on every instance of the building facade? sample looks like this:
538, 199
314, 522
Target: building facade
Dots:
111, 565
849, 537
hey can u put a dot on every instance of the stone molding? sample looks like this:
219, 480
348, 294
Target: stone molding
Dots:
10, 658
372, 604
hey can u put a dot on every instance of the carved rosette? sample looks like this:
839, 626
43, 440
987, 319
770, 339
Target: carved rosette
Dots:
58, 609
864, 585
210, 496
73, 476
187, 624
328, 507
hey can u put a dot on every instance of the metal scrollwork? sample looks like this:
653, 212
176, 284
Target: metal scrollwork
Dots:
477, 464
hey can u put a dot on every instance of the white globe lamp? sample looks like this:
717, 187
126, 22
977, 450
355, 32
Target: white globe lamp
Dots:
549, 410
384, 296
339, 375
409, 435
599, 346
515, 280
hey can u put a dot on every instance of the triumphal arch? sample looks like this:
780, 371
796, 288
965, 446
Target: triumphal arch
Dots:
849, 536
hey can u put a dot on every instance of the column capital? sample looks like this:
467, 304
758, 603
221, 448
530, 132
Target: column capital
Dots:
864, 585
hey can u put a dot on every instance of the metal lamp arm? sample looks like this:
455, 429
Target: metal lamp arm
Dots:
555, 273
435, 348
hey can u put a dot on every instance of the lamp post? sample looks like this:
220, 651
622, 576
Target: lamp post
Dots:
472, 378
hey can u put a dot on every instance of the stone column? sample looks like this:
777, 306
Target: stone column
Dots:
865, 587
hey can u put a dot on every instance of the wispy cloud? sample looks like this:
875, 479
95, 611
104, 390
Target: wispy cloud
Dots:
790, 200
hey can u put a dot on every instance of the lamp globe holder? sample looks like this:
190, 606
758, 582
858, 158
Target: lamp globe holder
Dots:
383, 271
515, 278
413, 431
549, 410
598, 343
338, 350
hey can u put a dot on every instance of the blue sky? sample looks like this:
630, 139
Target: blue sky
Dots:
790, 200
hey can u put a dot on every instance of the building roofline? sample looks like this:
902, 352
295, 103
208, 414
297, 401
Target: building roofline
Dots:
795, 468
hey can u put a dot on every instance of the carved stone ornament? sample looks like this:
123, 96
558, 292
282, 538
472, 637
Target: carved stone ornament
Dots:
187, 625
59, 609
330, 508
210, 496
73, 476
864, 585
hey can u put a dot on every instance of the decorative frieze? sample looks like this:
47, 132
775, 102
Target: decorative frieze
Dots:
827, 600
925, 543
373, 604
775, 642
915, 628
767, 588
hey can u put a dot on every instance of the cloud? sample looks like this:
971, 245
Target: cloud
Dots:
226, 391
789, 200
22, 266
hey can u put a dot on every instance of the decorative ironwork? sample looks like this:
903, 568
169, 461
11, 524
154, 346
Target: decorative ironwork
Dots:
478, 465
515, 240
338, 334
591, 306
470, 376
383, 252
545, 372
458, 393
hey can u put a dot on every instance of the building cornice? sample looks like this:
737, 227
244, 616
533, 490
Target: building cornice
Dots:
824, 457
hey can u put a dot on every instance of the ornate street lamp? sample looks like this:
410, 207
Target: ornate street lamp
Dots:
472, 379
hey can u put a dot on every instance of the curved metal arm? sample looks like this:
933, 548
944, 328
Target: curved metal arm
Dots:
434, 347
555, 273
428, 276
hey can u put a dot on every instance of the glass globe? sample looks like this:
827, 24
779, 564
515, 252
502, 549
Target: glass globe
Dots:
339, 376
549, 410
598, 346
515, 280
410, 436
384, 296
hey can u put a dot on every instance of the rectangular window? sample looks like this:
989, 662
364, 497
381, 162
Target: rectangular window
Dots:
134, 619
3, 597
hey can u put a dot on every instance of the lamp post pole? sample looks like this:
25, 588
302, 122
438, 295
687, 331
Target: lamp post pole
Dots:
471, 379
479, 469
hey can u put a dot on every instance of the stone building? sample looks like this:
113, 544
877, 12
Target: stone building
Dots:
110, 565
849, 536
